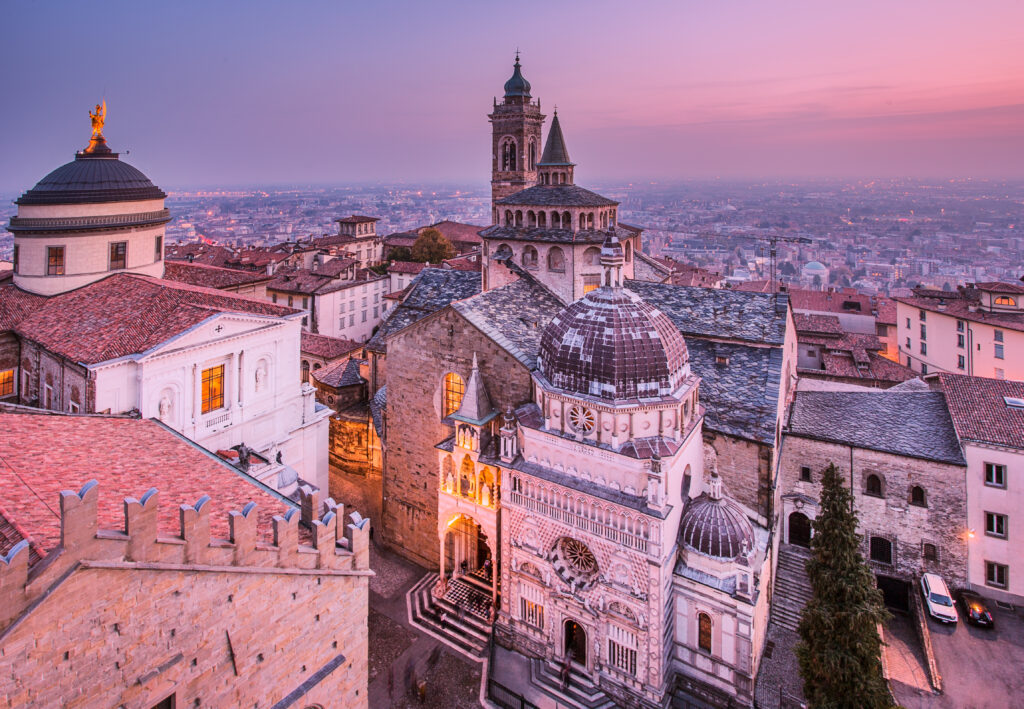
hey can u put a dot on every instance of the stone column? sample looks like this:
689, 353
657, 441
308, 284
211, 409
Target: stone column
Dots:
232, 383
241, 379
197, 393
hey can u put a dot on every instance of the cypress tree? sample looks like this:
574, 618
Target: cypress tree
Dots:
839, 650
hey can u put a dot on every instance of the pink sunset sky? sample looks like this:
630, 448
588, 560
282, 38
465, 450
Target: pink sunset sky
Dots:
274, 93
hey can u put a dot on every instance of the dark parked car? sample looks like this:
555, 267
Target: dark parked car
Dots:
975, 610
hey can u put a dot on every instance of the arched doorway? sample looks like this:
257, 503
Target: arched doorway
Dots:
575, 642
470, 576
799, 529
465, 547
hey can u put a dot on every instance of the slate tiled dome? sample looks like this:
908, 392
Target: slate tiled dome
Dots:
91, 178
612, 345
715, 527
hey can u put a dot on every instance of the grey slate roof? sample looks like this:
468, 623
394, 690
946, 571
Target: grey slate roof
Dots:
514, 316
378, 405
559, 236
710, 312
430, 291
741, 395
558, 196
915, 424
555, 152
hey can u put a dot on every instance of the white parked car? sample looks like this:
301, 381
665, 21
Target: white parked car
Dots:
937, 599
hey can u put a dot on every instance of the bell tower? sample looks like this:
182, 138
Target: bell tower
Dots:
516, 125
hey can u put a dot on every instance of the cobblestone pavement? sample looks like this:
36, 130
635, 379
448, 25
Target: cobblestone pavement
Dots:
451, 680
778, 678
908, 674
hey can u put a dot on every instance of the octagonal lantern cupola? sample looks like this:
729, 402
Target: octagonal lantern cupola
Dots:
474, 414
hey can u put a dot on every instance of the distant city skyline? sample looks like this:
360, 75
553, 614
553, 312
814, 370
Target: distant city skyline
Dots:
321, 93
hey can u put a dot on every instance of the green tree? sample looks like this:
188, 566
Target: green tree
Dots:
839, 649
432, 247
400, 253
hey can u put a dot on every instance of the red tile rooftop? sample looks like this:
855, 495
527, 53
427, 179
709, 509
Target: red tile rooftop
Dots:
120, 315
45, 453
412, 267
326, 347
979, 409
200, 274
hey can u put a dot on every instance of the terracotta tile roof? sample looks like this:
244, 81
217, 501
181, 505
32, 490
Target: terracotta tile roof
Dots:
843, 301
886, 308
357, 219
125, 314
406, 267
398, 294
335, 267
400, 239
825, 324
326, 347
980, 412
200, 274
963, 304
256, 257
210, 254
46, 453
469, 262
1000, 287
457, 232
16, 305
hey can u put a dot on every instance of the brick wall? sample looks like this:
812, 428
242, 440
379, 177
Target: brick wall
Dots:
942, 522
418, 358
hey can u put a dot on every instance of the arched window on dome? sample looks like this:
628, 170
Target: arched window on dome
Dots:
556, 259
704, 632
454, 389
530, 259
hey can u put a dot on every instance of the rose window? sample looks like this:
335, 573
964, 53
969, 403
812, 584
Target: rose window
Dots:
581, 419
574, 563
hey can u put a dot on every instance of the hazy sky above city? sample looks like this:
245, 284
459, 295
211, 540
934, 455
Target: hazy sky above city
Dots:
233, 93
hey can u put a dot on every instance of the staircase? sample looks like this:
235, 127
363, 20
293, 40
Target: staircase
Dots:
579, 693
469, 634
792, 587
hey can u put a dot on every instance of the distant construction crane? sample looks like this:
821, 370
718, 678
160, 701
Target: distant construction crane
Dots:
772, 239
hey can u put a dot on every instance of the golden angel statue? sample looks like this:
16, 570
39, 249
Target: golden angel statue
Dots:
98, 118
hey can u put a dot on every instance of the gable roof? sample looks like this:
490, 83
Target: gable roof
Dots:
326, 347
201, 274
125, 314
979, 410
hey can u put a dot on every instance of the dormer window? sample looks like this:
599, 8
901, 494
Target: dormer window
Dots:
1005, 301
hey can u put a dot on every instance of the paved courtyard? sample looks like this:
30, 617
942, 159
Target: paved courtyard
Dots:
400, 653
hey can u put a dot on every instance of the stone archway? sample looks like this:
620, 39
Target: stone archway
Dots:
469, 568
575, 641
799, 529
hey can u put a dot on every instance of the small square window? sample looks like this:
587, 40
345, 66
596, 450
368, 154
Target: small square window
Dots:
55, 261
998, 334
959, 325
960, 363
924, 348
999, 352
995, 475
995, 525
805, 473
996, 575
930, 552
924, 332
960, 341
921, 314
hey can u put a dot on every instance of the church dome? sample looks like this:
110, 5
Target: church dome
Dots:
715, 526
517, 85
95, 175
612, 345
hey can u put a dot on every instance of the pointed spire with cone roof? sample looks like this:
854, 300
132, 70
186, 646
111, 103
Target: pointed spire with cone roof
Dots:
555, 152
476, 405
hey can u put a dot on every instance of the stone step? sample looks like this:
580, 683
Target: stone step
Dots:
579, 693
468, 639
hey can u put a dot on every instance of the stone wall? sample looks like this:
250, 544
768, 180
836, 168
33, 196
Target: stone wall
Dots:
67, 381
127, 618
941, 522
10, 353
418, 359
746, 470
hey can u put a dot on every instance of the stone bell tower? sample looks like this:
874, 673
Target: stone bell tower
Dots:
516, 125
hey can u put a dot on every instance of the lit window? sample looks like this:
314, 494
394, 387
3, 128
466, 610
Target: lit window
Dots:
996, 574
995, 525
55, 261
213, 389
591, 283
1005, 300
118, 255
704, 632
6, 382
454, 388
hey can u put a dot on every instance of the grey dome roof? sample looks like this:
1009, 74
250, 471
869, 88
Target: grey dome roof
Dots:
715, 528
517, 85
92, 177
612, 345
